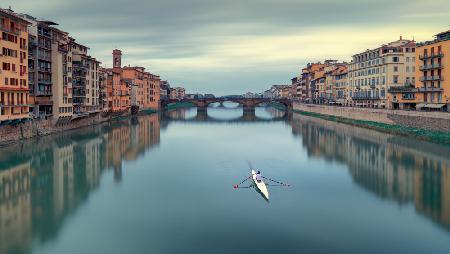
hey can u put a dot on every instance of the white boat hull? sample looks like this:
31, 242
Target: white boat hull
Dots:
261, 186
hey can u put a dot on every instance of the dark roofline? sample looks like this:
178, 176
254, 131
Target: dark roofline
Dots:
11, 14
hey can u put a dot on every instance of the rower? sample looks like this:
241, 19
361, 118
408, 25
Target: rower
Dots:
258, 176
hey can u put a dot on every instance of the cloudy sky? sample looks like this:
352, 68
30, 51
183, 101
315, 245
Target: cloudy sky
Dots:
234, 46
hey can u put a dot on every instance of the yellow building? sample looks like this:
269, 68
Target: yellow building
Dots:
373, 72
14, 90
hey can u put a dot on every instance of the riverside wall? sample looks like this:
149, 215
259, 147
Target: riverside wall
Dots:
42, 127
436, 121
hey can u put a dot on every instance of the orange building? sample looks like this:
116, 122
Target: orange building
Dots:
118, 93
431, 90
14, 90
434, 79
122, 83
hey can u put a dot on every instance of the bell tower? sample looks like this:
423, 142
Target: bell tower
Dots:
117, 58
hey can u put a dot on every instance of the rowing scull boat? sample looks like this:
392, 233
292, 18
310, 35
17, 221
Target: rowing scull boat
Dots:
261, 186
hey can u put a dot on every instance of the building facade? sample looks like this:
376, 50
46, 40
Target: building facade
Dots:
123, 83
431, 89
14, 89
433, 75
374, 71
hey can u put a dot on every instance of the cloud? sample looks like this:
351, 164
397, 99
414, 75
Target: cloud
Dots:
236, 46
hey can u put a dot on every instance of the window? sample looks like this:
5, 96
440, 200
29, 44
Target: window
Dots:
395, 59
395, 79
395, 68
6, 66
407, 59
407, 68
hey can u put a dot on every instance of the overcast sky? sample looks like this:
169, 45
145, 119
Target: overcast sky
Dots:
231, 47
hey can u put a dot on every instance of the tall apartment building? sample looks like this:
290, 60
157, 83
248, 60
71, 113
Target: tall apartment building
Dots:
103, 88
374, 71
431, 90
85, 81
136, 76
43, 70
433, 62
164, 89
307, 82
14, 90
64, 79
317, 85
296, 88
62, 92
340, 85
154, 93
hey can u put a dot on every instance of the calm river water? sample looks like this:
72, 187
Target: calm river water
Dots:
164, 184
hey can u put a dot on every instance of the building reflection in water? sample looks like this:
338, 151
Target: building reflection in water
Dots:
43, 180
400, 169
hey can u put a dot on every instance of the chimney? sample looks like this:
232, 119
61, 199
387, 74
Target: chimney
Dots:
401, 37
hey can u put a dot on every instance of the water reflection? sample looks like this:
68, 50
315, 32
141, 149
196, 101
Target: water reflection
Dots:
226, 115
44, 180
394, 168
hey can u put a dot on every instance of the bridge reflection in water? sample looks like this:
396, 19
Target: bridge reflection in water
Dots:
182, 115
248, 104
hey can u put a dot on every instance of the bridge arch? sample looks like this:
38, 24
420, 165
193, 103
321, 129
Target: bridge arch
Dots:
247, 103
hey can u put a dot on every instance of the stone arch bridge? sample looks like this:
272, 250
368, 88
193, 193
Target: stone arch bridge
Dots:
248, 104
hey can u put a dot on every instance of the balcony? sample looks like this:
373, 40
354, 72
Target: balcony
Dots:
365, 97
32, 43
430, 67
62, 48
45, 58
425, 57
44, 33
432, 78
430, 89
45, 81
43, 69
9, 30
44, 93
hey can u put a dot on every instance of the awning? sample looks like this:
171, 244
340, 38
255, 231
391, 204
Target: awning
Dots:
420, 105
430, 105
434, 105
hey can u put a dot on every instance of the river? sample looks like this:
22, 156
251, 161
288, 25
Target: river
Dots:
164, 184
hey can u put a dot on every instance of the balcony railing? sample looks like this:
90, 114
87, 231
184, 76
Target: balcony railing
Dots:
432, 78
43, 57
45, 81
365, 97
43, 69
431, 66
9, 30
437, 55
430, 89
44, 93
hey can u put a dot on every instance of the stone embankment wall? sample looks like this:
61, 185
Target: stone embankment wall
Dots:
42, 127
437, 121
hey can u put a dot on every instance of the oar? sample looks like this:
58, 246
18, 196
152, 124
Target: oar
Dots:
285, 184
237, 185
